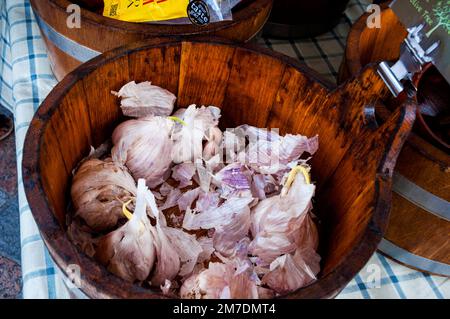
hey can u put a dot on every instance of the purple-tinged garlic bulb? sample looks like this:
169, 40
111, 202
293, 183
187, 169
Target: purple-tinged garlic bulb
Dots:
145, 147
195, 127
278, 222
98, 191
144, 99
129, 252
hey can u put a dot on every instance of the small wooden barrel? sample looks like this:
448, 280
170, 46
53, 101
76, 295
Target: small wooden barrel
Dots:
418, 234
69, 47
353, 166
299, 19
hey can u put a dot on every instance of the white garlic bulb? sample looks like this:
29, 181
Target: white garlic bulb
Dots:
188, 137
279, 221
144, 99
144, 146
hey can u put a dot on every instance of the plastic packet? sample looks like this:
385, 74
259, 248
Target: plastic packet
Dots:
165, 11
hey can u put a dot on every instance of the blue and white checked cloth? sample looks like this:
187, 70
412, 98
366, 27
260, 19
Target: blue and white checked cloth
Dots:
26, 79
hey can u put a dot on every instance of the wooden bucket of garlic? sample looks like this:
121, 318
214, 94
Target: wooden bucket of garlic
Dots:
193, 169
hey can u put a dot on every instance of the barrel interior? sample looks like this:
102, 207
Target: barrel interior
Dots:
259, 89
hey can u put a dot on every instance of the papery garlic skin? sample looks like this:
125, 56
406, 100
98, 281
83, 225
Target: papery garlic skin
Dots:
213, 146
168, 260
187, 247
129, 252
292, 271
268, 152
82, 238
207, 201
98, 190
221, 281
144, 99
233, 180
183, 173
188, 138
231, 222
234, 278
208, 284
186, 200
144, 146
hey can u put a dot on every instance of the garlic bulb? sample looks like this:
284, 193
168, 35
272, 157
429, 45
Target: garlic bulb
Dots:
98, 190
188, 137
144, 99
144, 146
279, 221
129, 252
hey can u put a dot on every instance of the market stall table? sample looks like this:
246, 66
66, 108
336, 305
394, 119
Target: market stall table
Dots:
26, 79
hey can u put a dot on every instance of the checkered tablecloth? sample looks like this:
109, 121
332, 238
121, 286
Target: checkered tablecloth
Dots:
26, 79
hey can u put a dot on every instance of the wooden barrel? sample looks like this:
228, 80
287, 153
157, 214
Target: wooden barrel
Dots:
353, 166
418, 234
69, 47
299, 19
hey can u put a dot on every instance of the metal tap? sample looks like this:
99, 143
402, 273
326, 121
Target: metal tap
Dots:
412, 58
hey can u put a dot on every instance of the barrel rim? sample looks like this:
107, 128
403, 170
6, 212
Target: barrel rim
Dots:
98, 20
98, 281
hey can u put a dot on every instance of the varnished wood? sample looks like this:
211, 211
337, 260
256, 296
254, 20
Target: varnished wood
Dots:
410, 227
102, 34
353, 167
